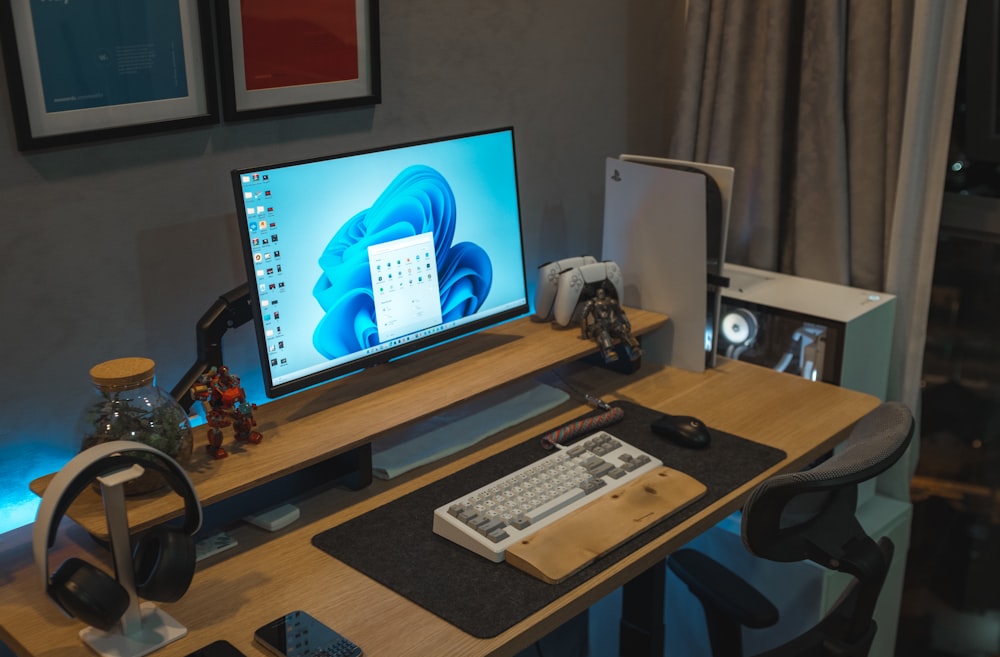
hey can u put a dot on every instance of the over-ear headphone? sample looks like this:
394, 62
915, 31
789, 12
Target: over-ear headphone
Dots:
163, 557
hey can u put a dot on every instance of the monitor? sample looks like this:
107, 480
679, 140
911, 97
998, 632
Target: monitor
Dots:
360, 258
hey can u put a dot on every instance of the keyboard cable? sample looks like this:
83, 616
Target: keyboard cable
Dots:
609, 416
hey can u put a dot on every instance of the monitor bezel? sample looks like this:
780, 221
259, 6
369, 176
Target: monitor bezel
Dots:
361, 363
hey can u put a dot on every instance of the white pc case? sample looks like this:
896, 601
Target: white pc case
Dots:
821, 331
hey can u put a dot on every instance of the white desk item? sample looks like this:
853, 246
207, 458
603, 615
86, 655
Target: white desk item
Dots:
655, 229
274, 518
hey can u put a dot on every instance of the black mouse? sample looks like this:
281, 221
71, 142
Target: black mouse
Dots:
683, 430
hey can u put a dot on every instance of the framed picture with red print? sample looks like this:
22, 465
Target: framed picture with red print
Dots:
302, 56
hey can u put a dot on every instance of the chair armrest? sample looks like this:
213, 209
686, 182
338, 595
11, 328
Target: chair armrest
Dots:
721, 591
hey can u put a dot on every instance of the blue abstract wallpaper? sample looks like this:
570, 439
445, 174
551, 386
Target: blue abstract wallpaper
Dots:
419, 200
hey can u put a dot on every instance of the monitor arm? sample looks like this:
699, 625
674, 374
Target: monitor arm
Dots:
231, 310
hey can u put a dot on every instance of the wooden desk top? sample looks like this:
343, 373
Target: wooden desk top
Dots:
269, 574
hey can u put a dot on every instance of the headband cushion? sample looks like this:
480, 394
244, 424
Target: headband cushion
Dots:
156, 461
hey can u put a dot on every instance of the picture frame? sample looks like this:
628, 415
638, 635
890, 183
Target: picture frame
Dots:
268, 62
151, 69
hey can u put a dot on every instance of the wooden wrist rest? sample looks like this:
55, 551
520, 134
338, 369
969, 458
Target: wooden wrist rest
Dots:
566, 546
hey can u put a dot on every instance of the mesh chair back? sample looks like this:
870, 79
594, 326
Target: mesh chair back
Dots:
811, 514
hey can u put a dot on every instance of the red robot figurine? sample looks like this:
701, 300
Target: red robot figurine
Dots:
226, 404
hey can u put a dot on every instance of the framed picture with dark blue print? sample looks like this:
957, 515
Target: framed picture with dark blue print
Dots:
86, 70
290, 57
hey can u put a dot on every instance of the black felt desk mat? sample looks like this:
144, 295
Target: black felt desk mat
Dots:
395, 545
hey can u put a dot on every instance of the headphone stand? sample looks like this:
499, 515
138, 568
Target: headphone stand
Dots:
144, 627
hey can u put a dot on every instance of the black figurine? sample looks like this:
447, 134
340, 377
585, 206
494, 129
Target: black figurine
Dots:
603, 320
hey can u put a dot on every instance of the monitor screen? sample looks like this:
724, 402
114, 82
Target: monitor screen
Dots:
355, 259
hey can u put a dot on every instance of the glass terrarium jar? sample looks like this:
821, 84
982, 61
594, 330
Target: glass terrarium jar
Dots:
130, 406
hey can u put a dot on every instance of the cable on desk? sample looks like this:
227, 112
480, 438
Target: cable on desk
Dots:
572, 430
584, 425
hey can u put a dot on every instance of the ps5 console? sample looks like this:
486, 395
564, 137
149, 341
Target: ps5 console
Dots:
665, 223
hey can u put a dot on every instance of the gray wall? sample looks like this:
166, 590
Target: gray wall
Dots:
115, 249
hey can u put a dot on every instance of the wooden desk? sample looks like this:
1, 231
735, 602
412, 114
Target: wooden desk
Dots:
269, 574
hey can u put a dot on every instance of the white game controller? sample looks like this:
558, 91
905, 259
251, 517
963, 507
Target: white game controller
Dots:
548, 283
572, 282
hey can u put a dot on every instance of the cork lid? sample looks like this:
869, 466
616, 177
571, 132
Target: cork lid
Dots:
123, 373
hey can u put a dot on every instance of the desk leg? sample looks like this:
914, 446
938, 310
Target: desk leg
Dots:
642, 614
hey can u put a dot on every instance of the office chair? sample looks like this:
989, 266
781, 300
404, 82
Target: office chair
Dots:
808, 515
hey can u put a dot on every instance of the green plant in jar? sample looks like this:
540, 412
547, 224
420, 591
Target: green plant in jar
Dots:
130, 406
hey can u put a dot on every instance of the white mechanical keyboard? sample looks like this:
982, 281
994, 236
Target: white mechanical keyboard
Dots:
492, 518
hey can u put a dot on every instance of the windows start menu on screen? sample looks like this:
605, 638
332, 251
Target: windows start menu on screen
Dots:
404, 283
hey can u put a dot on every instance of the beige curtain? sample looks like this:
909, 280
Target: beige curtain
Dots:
835, 115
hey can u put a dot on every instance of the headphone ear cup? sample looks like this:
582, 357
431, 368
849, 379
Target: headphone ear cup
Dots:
163, 562
88, 593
